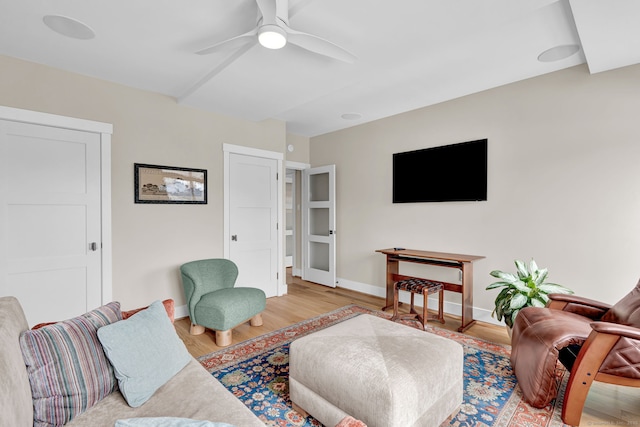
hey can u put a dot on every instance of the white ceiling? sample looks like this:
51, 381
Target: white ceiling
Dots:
411, 53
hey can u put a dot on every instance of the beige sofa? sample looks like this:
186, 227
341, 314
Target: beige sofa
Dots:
192, 393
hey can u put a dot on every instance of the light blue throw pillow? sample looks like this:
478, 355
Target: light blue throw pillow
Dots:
167, 422
145, 352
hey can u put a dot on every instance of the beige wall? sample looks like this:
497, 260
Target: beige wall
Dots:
564, 184
300, 145
149, 241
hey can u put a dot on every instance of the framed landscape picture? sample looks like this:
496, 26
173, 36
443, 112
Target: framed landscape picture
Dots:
168, 184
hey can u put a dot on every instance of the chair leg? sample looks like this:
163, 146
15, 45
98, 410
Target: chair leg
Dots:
441, 306
256, 320
412, 309
223, 338
585, 369
425, 310
196, 329
395, 304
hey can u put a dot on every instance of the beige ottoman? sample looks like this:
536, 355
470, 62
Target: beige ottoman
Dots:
383, 373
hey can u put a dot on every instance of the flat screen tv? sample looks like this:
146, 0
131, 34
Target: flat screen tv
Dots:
449, 173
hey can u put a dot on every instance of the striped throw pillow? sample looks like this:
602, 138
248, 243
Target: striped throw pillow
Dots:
67, 367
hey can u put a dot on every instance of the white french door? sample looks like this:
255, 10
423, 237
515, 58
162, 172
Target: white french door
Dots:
50, 219
319, 219
253, 203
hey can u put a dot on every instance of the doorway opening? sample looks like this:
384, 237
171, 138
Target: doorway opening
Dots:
293, 223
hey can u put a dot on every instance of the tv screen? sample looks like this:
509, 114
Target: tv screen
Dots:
450, 173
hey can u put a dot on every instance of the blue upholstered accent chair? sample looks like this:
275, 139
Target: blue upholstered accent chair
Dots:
214, 302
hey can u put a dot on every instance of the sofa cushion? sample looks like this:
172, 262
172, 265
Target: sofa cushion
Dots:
191, 393
145, 352
16, 405
68, 370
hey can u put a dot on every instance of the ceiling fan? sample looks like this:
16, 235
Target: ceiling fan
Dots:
273, 31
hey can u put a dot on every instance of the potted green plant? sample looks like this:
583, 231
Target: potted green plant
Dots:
525, 288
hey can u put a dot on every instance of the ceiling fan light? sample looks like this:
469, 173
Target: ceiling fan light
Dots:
272, 37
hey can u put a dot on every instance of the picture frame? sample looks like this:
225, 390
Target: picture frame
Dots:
169, 184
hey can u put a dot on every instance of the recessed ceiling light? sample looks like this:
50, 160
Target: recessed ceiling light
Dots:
558, 52
69, 27
351, 116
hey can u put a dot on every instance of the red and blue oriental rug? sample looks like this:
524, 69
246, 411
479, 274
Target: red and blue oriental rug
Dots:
257, 372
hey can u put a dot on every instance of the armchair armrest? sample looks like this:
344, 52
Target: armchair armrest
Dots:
616, 329
579, 305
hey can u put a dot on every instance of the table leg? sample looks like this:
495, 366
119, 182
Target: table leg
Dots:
467, 296
392, 268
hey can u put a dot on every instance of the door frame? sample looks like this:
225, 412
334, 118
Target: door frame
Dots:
229, 149
105, 130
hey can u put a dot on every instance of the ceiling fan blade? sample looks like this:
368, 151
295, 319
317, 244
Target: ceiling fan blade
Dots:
319, 45
217, 70
300, 4
268, 11
232, 43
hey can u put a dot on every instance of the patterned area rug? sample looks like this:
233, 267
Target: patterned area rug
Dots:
256, 372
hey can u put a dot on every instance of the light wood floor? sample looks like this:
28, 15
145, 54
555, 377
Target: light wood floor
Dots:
606, 405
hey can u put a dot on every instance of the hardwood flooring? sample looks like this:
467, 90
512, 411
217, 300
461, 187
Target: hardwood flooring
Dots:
606, 405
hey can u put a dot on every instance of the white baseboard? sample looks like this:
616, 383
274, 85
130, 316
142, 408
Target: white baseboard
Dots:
453, 308
181, 311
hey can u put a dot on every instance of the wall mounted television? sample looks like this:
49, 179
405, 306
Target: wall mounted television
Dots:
449, 173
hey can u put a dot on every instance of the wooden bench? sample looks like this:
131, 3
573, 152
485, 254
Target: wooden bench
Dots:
424, 287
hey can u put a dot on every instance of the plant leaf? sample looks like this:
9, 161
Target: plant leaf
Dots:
535, 302
553, 288
521, 286
497, 285
500, 310
533, 267
507, 277
518, 301
504, 293
522, 269
542, 274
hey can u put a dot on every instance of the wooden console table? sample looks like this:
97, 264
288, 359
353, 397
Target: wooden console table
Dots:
462, 262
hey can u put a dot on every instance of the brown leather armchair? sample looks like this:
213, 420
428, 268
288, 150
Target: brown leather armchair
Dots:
593, 340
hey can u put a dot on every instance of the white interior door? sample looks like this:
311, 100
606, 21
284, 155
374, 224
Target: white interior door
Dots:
319, 219
253, 221
50, 219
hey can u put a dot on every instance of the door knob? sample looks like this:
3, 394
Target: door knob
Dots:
93, 246
234, 237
